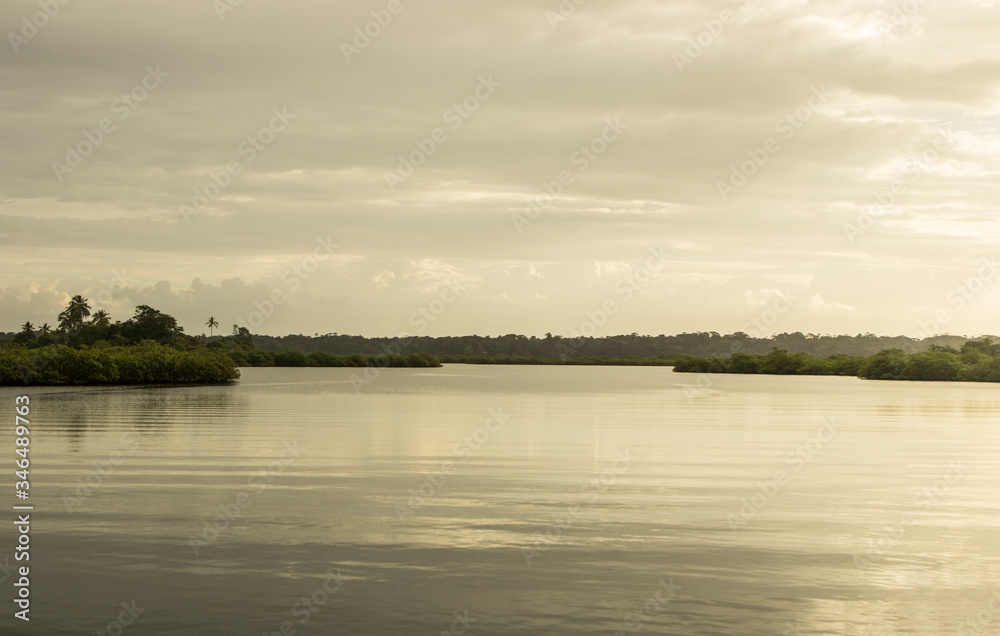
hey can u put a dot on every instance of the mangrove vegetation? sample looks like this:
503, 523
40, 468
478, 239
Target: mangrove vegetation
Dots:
974, 361
151, 348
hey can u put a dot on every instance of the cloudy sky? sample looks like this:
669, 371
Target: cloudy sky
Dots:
827, 167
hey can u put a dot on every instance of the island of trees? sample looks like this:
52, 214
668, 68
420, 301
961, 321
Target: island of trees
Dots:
150, 348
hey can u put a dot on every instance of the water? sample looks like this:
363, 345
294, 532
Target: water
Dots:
614, 483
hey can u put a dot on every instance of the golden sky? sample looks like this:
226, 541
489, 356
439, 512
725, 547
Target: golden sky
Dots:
354, 163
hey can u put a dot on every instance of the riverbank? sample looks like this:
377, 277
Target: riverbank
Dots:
659, 361
153, 363
976, 361
148, 363
151, 348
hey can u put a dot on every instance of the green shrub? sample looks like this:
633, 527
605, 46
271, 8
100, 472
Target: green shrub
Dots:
149, 362
932, 365
884, 365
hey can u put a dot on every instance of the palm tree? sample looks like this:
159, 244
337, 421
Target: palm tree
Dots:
79, 308
101, 319
27, 334
74, 314
211, 324
45, 329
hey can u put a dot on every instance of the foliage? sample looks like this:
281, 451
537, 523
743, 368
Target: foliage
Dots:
150, 324
660, 361
293, 358
242, 336
700, 344
976, 361
150, 347
72, 317
147, 363
864, 355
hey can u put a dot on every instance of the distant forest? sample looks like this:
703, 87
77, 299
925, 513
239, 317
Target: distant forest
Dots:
705, 344
701, 344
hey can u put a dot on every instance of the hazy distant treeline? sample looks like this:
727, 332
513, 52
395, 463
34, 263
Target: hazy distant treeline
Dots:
705, 344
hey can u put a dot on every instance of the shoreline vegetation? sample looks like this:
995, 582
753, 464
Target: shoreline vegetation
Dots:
151, 348
658, 361
975, 361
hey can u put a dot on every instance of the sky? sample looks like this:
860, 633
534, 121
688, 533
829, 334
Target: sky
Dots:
445, 167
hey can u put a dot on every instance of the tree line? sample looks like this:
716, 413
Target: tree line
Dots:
549, 347
151, 347
80, 330
975, 361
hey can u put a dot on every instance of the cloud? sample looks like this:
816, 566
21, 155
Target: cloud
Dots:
818, 304
893, 80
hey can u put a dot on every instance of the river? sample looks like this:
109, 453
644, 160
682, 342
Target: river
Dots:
511, 500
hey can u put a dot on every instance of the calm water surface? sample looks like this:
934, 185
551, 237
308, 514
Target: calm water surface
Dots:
570, 500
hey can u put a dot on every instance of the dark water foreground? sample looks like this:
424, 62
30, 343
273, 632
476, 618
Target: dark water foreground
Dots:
501, 500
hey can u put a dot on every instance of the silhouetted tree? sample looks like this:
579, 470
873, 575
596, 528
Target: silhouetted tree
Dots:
27, 334
150, 324
72, 317
101, 319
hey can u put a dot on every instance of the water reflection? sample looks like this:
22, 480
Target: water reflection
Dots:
187, 454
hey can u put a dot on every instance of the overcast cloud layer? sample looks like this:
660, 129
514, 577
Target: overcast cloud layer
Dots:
883, 95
